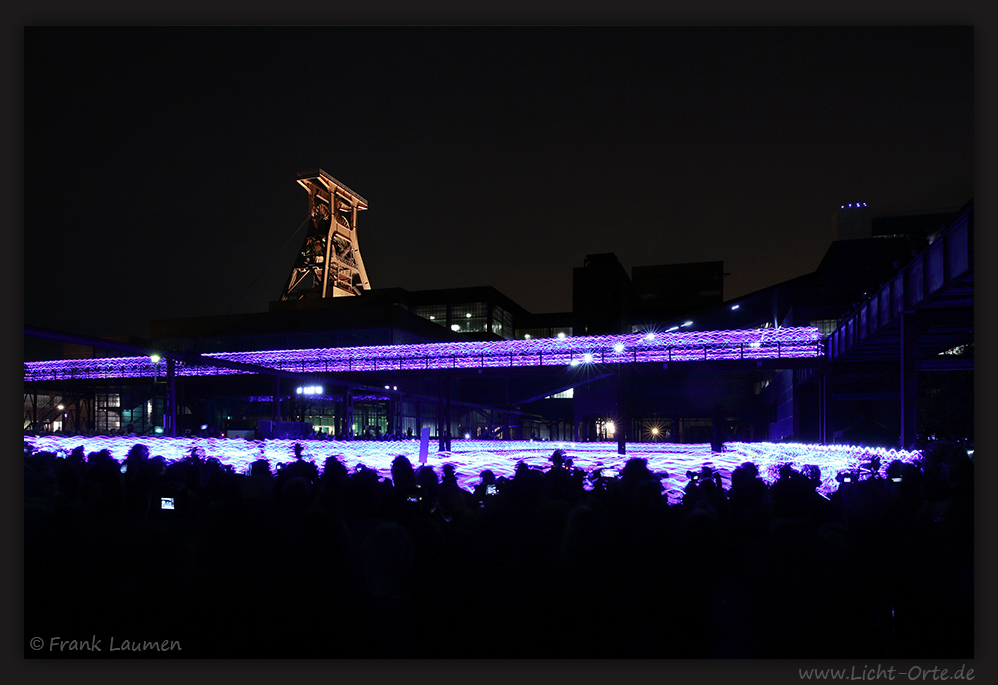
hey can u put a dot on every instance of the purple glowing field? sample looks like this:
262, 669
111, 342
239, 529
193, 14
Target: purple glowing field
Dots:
470, 457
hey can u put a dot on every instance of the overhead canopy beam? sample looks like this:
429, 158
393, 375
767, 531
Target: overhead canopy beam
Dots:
195, 359
186, 357
783, 347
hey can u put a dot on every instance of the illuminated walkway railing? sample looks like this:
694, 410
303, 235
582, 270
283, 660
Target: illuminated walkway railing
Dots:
691, 346
945, 261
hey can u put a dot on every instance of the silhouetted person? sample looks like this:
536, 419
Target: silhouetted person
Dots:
299, 468
103, 485
333, 484
426, 479
486, 488
403, 474
258, 487
455, 501
138, 483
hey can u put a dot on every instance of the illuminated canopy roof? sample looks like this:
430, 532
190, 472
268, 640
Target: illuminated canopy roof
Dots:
686, 346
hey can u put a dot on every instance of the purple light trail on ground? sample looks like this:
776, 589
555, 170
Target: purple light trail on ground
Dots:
471, 457
752, 344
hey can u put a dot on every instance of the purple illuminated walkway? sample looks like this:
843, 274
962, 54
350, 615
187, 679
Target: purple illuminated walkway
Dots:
470, 457
692, 346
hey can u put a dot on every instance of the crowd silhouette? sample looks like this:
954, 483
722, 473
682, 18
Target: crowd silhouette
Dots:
555, 562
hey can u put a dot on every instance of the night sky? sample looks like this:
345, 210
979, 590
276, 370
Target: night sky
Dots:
160, 163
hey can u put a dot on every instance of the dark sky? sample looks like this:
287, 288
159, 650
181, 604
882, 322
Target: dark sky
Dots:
160, 163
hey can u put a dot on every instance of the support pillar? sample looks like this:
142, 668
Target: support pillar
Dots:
443, 415
180, 407
276, 408
170, 410
621, 423
77, 411
393, 412
348, 414
826, 393
910, 333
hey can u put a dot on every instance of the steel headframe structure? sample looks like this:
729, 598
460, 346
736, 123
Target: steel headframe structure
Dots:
329, 262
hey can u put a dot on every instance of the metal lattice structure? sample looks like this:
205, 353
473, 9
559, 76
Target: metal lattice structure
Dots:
329, 262
693, 346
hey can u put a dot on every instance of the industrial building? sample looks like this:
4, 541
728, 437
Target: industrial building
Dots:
892, 303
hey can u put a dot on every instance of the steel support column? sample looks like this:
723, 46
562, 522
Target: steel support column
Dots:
621, 424
826, 395
910, 333
170, 411
393, 414
443, 415
348, 414
276, 399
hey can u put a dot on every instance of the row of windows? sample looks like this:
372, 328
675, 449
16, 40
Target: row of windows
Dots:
825, 326
471, 317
